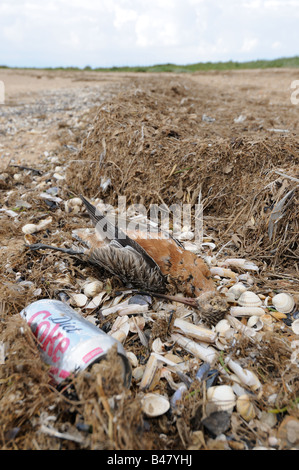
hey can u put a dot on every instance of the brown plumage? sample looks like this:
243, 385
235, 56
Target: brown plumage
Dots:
148, 261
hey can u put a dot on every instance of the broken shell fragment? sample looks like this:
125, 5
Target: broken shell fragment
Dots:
235, 291
255, 322
241, 263
249, 299
245, 407
283, 302
246, 311
196, 331
154, 405
136, 323
125, 309
151, 373
33, 228
96, 301
91, 289
120, 329
295, 326
73, 205
78, 300
202, 351
247, 377
28, 229
222, 272
132, 358
222, 396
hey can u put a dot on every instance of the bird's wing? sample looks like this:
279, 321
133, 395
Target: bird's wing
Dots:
115, 234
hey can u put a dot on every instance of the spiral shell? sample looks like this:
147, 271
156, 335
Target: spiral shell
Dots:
249, 299
283, 302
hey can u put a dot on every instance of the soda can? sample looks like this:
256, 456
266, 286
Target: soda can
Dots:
68, 342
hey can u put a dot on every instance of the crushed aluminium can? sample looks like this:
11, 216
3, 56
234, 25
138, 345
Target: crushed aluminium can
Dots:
68, 342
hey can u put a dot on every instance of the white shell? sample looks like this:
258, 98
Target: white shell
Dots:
246, 311
196, 331
241, 263
236, 291
222, 272
200, 350
245, 407
135, 323
29, 229
283, 302
249, 299
295, 327
255, 322
132, 358
247, 377
78, 300
222, 396
154, 404
32, 228
91, 289
96, 301
151, 371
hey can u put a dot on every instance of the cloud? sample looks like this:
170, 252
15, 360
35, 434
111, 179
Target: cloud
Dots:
144, 32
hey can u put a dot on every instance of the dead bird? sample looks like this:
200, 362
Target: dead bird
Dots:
147, 261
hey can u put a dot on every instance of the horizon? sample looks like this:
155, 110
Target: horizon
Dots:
123, 33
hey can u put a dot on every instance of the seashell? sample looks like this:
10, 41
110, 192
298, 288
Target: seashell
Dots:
225, 333
255, 322
243, 329
246, 376
44, 223
178, 394
249, 299
33, 228
151, 373
28, 229
196, 331
245, 407
295, 327
246, 311
222, 397
154, 405
222, 327
135, 323
125, 309
138, 372
222, 272
166, 374
283, 302
96, 301
245, 277
202, 351
91, 289
73, 205
132, 358
78, 300
29, 239
157, 346
235, 291
241, 263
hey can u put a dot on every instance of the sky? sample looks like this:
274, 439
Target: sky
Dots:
106, 33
